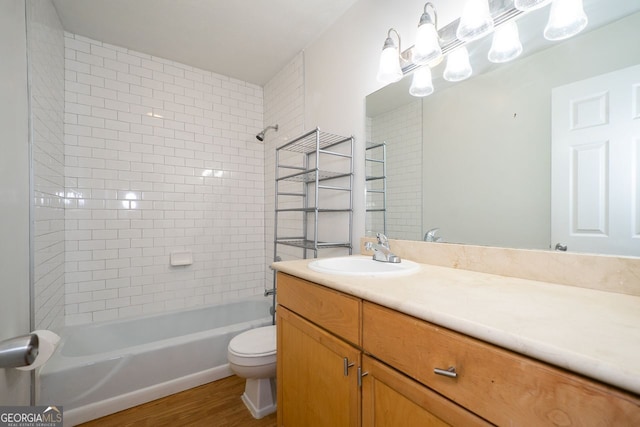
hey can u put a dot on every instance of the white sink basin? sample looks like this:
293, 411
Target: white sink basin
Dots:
362, 266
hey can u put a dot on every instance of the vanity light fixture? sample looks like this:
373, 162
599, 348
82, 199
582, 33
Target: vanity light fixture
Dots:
527, 5
421, 85
427, 49
475, 22
566, 19
458, 66
389, 70
506, 44
479, 18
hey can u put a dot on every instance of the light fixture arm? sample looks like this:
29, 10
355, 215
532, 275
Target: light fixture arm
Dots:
389, 41
426, 17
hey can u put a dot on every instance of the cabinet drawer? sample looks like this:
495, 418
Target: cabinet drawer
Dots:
501, 386
390, 399
332, 310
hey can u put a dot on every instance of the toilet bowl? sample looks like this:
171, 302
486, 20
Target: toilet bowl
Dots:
252, 355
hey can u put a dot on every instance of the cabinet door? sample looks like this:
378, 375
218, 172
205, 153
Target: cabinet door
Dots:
390, 399
313, 389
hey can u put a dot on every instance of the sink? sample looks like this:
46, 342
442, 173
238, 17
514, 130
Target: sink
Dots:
362, 266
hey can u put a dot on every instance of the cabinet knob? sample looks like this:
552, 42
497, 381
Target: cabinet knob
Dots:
449, 372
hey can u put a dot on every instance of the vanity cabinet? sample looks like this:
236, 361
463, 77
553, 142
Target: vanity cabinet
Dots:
318, 357
502, 387
326, 339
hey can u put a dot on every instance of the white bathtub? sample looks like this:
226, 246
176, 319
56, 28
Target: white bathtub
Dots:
106, 367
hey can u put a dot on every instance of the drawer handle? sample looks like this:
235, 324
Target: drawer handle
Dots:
450, 372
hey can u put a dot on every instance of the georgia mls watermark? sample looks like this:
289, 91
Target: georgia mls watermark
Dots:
30, 416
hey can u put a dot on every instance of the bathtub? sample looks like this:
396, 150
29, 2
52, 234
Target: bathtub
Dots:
105, 367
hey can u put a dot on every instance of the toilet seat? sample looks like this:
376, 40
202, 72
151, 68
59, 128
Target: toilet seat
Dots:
254, 347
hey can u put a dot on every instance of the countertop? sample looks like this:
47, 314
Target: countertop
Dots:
590, 332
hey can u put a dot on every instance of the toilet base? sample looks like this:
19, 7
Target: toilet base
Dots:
260, 396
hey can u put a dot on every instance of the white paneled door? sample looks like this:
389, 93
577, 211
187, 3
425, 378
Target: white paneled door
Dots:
596, 164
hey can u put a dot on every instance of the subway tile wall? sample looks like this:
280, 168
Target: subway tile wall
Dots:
284, 105
46, 67
159, 157
402, 131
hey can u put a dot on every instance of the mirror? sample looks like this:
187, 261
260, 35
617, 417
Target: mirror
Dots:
474, 158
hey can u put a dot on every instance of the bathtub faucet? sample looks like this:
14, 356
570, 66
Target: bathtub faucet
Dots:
381, 250
268, 292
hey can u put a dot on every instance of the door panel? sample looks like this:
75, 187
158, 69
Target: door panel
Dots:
596, 164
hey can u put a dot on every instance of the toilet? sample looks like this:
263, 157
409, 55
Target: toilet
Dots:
252, 355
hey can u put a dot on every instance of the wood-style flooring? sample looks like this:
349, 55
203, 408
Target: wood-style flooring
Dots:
216, 404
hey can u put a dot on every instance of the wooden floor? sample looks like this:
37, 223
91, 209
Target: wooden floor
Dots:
214, 404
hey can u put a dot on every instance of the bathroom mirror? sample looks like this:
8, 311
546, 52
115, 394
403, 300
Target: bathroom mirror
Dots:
474, 158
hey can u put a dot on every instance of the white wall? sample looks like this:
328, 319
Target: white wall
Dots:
14, 193
46, 67
341, 67
159, 157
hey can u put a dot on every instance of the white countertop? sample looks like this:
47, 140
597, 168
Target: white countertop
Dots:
591, 332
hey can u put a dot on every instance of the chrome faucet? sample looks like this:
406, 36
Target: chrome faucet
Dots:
430, 236
381, 250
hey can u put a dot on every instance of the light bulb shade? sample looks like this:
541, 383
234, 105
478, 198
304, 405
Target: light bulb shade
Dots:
389, 70
527, 5
475, 22
458, 66
506, 43
566, 19
421, 85
427, 48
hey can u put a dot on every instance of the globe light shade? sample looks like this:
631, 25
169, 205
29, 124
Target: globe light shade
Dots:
389, 70
458, 66
475, 22
421, 85
506, 44
427, 47
566, 19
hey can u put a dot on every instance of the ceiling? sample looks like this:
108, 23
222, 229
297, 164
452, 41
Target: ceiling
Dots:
250, 40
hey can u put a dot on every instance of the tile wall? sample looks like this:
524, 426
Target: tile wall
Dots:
284, 105
401, 129
159, 157
46, 68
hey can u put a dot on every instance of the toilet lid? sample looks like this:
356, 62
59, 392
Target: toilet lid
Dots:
255, 342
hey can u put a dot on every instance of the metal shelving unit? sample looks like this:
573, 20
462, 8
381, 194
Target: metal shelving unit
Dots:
314, 178
376, 185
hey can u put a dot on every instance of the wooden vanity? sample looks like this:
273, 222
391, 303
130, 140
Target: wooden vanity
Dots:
346, 361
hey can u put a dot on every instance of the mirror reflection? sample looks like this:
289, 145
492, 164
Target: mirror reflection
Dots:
474, 159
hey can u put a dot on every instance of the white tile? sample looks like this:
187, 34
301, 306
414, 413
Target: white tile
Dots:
149, 123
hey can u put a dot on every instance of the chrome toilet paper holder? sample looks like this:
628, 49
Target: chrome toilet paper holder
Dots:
19, 351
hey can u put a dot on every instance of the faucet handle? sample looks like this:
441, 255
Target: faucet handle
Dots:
382, 240
430, 235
